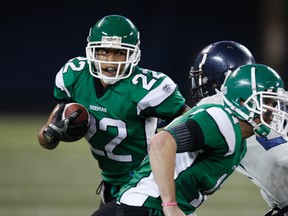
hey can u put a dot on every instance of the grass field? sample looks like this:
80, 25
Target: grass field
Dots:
38, 182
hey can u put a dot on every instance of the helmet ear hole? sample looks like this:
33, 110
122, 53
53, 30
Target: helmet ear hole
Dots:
214, 84
241, 102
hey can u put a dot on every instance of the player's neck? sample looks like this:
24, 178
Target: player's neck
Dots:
246, 129
103, 84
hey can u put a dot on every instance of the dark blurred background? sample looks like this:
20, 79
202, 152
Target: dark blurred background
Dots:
38, 37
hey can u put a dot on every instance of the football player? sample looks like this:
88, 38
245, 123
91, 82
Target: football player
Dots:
192, 157
265, 161
123, 99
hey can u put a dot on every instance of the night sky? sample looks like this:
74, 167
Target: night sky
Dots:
38, 38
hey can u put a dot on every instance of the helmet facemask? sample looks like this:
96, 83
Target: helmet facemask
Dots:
269, 105
123, 69
201, 86
275, 108
198, 83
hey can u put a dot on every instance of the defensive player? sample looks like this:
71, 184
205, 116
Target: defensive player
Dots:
211, 65
123, 99
265, 162
197, 152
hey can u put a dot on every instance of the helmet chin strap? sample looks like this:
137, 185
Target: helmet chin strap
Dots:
240, 113
260, 129
107, 80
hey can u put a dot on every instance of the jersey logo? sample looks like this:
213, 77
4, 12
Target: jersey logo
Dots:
270, 143
98, 109
167, 88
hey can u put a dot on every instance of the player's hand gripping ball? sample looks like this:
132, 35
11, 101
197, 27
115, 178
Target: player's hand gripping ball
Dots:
77, 127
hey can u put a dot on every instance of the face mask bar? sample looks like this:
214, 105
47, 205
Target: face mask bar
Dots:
196, 92
277, 110
132, 59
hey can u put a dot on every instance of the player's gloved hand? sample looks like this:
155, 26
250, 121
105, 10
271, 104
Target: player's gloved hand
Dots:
78, 129
59, 127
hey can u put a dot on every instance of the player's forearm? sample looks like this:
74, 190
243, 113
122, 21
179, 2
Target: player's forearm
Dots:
162, 159
42, 141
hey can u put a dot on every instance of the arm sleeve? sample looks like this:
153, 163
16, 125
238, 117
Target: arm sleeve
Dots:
180, 112
188, 136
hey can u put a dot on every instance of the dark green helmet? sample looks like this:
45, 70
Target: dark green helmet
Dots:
113, 32
247, 91
115, 26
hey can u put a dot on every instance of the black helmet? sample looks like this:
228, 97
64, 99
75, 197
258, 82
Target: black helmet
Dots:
211, 65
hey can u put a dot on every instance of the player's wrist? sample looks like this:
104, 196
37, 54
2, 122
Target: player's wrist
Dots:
173, 203
52, 136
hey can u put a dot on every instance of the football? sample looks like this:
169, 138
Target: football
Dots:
83, 116
72, 107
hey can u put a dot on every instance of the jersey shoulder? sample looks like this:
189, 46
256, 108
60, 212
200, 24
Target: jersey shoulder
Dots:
72, 70
74, 73
217, 112
150, 88
149, 79
207, 115
214, 99
147, 82
75, 65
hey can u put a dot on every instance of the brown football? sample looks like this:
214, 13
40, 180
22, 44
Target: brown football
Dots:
84, 115
72, 107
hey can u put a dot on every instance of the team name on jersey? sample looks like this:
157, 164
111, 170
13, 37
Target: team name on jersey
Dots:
97, 108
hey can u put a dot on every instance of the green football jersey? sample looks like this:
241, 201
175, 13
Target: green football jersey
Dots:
197, 173
123, 117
